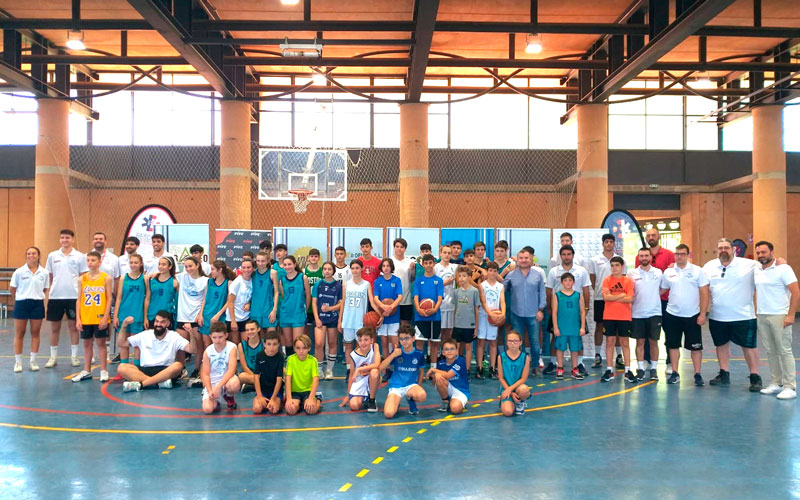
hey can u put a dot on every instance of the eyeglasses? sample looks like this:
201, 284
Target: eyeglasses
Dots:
403, 339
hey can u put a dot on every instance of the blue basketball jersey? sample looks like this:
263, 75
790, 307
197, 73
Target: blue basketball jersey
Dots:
132, 301
388, 289
216, 298
162, 297
459, 367
406, 368
327, 293
262, 299
512, 368
355, 304
293, 305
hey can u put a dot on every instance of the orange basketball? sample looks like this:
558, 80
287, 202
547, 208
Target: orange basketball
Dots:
372, 319
495, 318
388, 301
426, 304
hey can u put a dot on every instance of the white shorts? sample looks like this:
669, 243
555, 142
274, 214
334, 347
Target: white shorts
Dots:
349, 334
486, 330
448, 318
388, 330
360, 387
452, 392
402, 391
206, 395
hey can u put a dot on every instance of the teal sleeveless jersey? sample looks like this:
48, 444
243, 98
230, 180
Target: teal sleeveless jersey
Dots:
512, 368
250, 353
263, 298
216, 297
293, 304
132, 301
162, 297
569, 311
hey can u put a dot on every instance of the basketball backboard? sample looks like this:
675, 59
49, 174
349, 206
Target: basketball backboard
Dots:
322, 171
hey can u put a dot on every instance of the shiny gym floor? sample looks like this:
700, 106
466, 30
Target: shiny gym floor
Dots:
578, 439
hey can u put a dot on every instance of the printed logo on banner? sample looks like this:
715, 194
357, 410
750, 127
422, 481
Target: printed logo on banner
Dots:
143, 223
231, 244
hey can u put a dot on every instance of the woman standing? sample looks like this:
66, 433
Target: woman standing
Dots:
29, 285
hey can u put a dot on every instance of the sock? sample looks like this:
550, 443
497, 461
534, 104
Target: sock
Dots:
412, 405
136, 362
619, 351
18, 358
33, 357
123, 361
641, 365
73, 349
627, 369
53, 351
330, 361
653, 364
597, 351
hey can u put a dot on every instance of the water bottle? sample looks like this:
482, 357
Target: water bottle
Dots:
485, 366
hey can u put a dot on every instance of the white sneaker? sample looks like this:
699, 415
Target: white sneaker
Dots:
76, 361
51, 363
541, 364
103, 376
167, 384
17, 367
771, 389
83, 375
34, 366
329, 374
787, 394
131, 386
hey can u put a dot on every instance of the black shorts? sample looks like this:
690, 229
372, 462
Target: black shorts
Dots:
194, 324
742, 333
239, 325
599, 309
310, 320
646, 328
464, 335
28, 309
93, 331
676, 327
57, 307
302, 396
152, 371
617, 328
429, 330
407, 313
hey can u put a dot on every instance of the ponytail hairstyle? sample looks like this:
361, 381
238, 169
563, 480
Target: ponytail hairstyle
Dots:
226, 271
294, 261
170, 264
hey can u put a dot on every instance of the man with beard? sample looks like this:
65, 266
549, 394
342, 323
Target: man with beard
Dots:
151, 263
131, 246
660, 258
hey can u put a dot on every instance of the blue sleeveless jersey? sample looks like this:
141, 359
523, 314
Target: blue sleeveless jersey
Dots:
162, 298
132, 302
216, 297
263, 298
293, 304
327, 294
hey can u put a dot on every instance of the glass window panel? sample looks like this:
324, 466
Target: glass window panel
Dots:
275, 129
625, 108
77, 129
791, 126
437, 131
351, 125
700, 135
546, 129
700, 105
664, 105
387, 131
313, 125
626, 132
19, 128
738, 135
282, 105
389, 107
664, 132
390, 82
179, 79
189, 103
114, 126
472, 82
276, 80
115, 77
217, 128
490, 121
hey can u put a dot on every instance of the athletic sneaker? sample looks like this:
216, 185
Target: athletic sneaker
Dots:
83, 375
630, 377
639, 375
577, 375
34, 366
519, 408
114, 360
318, 395
194, 383
412, 407
723, 378
559, 374
551, 367
131, 386
771, 389
620, 361
698, 380
598, 361
167, 384
76, 361
673, 378
388, 374
17, 367
329, 374
103, 376
787, 394
581, 369
231, 402
444, 406
52, 362
493, 375
479, 374
372, 406
653, 374
755, 382
608, 376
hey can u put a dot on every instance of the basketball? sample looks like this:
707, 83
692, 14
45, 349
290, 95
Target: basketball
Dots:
426, 304
495, 318
372, 319
388, 301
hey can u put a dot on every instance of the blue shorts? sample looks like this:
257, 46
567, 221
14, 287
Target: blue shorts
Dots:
263, 321
571, 343
28, 309
135, 328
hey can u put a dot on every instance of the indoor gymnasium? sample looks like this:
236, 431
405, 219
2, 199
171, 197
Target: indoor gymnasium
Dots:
347, 249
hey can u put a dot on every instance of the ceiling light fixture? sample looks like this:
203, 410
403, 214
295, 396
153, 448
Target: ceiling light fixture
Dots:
300, 49
533, 43
703, 78
290, 2
318, 76
75, 40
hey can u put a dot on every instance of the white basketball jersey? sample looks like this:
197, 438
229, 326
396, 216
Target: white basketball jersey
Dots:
355, 304
492, 294
218, 361
360, 385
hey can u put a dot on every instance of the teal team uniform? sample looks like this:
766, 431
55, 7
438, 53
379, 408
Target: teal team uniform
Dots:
262, 299
569, 322
216, 298
293, 305
132, 303
162, 298
250, 354
512, 368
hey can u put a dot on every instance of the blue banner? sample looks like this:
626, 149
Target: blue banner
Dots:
415, 236
539, 239
350, 238
299, 240
468, 236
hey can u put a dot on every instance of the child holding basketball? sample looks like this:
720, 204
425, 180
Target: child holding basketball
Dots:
365, 375
569, 325
407, 364
513, 372
326, 300
468, 301
446, 270
477, 274
302, 379
248, 351
428, 295
493, 300
93, 309
218, 371
130, 302
450, 378
268, 374
295, 294
357, 294
388, 292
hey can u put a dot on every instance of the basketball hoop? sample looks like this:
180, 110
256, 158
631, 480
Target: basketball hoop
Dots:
301, 203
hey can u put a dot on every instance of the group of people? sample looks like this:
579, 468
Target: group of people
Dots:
251, 328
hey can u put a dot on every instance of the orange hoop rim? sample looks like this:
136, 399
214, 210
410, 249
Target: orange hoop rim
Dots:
301, 193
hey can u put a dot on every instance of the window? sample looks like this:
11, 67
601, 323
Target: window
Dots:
791, 126
496, 121
19, 123
738, 135
653, 123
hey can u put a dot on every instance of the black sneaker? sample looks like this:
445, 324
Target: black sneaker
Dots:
620, 362
673, 378
724, 378
698, 380
755, 382
639, 375
581, 369
630, 377
386, 376
372, 406
653, 374
550, 368
608, 376
114, 360
598, 361
445, 406
493, 375
479, 374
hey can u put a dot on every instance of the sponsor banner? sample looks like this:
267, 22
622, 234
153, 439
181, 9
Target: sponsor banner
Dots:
231, 243
179, 238
628, 237
586, 242
516, 238
299, 240
142, 226
415, 236
468, 236
350, 238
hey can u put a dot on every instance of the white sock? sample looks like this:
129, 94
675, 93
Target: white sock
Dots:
53, 351
598, 350
73, 349
619, 350
18, 358
627, 369
653, 364
641, 365
33, 357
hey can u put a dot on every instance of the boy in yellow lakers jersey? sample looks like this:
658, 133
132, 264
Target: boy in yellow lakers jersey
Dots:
93, 307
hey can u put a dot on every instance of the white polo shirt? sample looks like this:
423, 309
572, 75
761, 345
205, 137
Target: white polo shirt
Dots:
125, 264
646, 292
30, 285
580, 273
151, 263
731, 290
65, 270
684, 289
156, 352
109, 264
772, 295
577, 260
402, 271
600, 266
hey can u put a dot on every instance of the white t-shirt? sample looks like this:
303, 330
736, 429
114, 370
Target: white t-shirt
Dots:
109, 264
577, 260
151, 263
684, 289
243, 290
492, 294
65, 271
30, 285
206, 267
580, 273
342, 274
771, 292
219, 360
446, 272
402, 269
600, 266
646, 292
156, 352
731, 292
190, 296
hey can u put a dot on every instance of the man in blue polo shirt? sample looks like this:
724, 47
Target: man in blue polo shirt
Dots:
528, 300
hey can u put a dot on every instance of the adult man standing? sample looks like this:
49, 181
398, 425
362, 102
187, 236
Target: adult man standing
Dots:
151, 263
660, 258
775, 284
131, 246
599, 269
528, 299
733, 316
578, 259
646, 311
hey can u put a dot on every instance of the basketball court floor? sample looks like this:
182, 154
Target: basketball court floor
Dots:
578, 439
